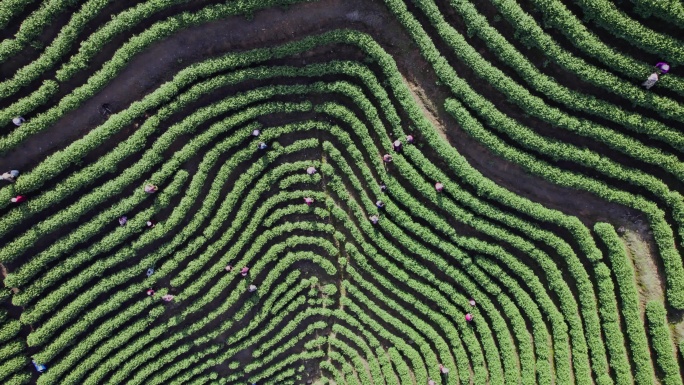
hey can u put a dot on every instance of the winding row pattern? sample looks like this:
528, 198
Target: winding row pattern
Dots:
339, 300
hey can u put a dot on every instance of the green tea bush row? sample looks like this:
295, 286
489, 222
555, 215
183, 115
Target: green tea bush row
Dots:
662, 232
556, 15
519, 95
69, 35
112, 67
629, 302
546, 85
661, 341
32, 26
608, 16
59, 46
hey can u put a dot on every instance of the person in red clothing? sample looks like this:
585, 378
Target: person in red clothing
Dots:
150, 292
244, 271
18, 199
387, 158
468, 317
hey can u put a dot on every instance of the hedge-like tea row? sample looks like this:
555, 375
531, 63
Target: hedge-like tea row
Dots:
556, 15
629, 300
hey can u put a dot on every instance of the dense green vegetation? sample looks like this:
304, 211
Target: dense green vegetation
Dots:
559, 227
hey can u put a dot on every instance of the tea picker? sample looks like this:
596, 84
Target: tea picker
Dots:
150, 188
10, 176
40, 368
445, 373
18, 199
661, 69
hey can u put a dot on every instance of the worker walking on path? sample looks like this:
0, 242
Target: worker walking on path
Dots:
150, 188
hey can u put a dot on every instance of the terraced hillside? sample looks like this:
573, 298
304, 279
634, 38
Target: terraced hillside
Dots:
529, 231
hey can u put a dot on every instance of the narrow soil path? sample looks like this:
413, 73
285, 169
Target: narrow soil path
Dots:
648, 272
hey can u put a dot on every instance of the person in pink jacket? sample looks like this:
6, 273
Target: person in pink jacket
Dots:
18, 199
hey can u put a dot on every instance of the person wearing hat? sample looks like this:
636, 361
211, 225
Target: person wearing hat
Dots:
18, 121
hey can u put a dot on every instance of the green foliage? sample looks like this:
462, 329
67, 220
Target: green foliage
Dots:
661, 341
